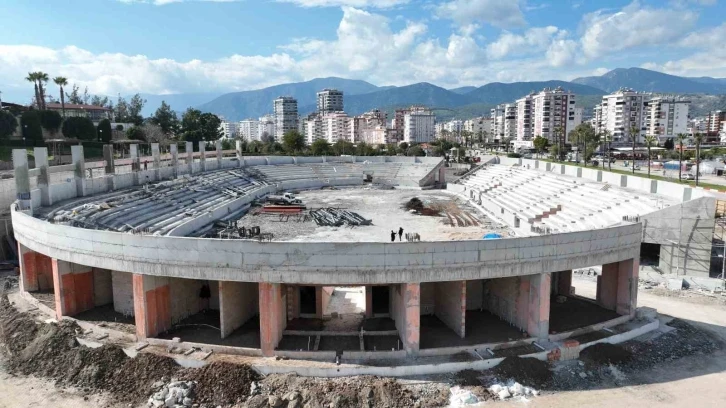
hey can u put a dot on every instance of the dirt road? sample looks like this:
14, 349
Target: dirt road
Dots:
36, 393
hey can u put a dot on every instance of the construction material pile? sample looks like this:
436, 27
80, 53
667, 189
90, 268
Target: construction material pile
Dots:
333, 217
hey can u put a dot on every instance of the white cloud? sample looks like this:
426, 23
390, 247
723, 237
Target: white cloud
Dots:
533, 40
499, 13
708, 60
561, 52
165, 2
633, 26
346, 3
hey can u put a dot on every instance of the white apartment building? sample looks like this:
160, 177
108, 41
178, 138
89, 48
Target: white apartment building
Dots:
330, 100
266, 127
418, 125
524, 117
715, 126
229, 129
554, 110
249, 129
504, 122
336, 126
313, 124
668, 117
369, 127
480, 126
621, 110
286, 118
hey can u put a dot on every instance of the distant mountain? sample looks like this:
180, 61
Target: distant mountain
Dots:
497, 92
178, 102
463, 90
253, 104
652, 81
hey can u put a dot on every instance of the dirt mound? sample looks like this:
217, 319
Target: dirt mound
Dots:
134, 380
527, 371
414, 204
221, 383
605, 353
468, 378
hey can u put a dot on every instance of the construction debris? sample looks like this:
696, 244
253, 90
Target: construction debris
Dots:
333, 217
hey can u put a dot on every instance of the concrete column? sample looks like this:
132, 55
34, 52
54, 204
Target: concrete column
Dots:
369, 301
539, 305
134, 156
73, 287
218, 146
607, 286
174, 157
450, 305
36, 270
22, 178
293, 302
202, 156
41, 163
238, 152
238, 302
152, 305
627, 287
272, 316
190, 156
79, 169
406, 305
108, 159
564, 283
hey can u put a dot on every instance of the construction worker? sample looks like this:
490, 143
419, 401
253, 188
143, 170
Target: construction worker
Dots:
400, 233
393, 236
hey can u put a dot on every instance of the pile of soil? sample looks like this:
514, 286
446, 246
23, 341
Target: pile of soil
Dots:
605, 353
221, 383
526, 371
134, 380
468, 378
414, 204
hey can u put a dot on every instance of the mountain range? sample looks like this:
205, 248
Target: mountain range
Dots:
467, 101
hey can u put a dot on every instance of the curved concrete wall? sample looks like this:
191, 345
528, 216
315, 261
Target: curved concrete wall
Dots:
322, 262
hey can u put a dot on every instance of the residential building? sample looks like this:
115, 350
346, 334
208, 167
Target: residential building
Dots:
336, 126
418, 125
479, 127
369, 127
95, 113
286, 118
228, 129
266, 127
249, 129
554, 114
504, 122
620, 111
715, 124
397, 124
330, 100
668, 117
313, 124
524, 117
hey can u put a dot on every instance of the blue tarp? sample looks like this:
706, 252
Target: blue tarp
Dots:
491, 235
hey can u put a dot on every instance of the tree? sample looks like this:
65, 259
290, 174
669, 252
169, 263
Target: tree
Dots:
467, 137
135, 133
293, 142
197, 126
650, 140
30, 125
100, 101
559, 133
254, 146
61, 82
33, 77
320, 147
403, 146
79, 128
634, 132
42, 79
365, 149
607, 138
267, 138
121, 112
343, 147
74, 97
416, 151
136, 105
698, 139
668, 144
104, 131
540, 144
506, 141
680, 138
153, 133
50, 120
8, 124
584, 135
392, 149
166, 118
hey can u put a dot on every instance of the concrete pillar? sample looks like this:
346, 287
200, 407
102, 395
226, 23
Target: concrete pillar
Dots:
202, 156
190, 156
108, 159
36, 270
369, 301
293, 302
134, 156
79, 169
238, 151
617, 286
22, 178
539, 305
238, 302
174, 157
322, 299
272, 316
218, 146
450, 305
73, 287
406, 306
607, 286
41, 163
564, 283
151, 305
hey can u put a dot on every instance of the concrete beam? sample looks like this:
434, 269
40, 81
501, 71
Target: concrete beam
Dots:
272, 316
22, 177
152, 305
202, 155
73, 287
108, 159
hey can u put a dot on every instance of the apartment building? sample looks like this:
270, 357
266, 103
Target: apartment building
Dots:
266, 127
480, 127
418, 125
715, 125
286, 118
228, 129
313, 124
249, 129
620, 111
668, 116
330, 100
554, 114
504, 122
524, 117
369, 127
336, 126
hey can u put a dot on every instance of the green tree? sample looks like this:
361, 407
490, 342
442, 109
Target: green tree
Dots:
650, 140
392, 149
365, 149
79, 128
50, 120
467, 137
403, 146
254, 146
584, 135
166, 118
416, 151
136, 105
680, 138
104, 131
33, 77
135, 133
668, 144
74, 97
293, 142
540, 144
8, 124
61, 82
31, 127
121, 111
343, 147
197, 126
607, 138
320, 147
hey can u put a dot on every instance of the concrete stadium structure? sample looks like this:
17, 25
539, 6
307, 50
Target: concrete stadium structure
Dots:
130, 240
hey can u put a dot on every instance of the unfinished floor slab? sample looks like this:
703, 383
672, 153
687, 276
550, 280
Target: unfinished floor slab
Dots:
482, 327
576, 312
204, 327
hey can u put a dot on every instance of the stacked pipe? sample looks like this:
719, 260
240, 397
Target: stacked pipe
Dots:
333, 217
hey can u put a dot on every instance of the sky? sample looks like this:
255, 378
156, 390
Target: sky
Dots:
199, 46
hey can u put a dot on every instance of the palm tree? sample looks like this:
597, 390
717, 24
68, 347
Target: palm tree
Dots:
607, 138
698, 138
634, 132
61, 82
33, 77
649, 141
680, 138
42, 78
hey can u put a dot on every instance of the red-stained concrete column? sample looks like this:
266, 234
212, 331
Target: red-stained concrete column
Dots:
627, 289
293, 302
451, 305
411, 313
36, 270
564, 282
539, 305
272, 316
607, 286
152, 305
73, 287
522, 303
369, 301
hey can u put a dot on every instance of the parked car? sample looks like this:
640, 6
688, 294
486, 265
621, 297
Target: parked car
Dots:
689, 176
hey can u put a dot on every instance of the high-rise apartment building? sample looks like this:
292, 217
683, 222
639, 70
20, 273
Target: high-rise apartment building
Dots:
336, 126
330, 100
266, 127
228, 129
286, 119
504, 122
249, 129
621, 111
525, 117
715, 125
554, 114
313, 124
668, 117
480, 128
418, 125
369, 127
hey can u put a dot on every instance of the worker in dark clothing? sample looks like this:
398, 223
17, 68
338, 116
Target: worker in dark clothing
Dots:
400, 233
393, 236
146, 163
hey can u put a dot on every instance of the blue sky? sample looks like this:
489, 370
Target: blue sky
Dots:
182, 46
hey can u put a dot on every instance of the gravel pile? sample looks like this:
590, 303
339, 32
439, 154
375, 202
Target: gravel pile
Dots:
528, 371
